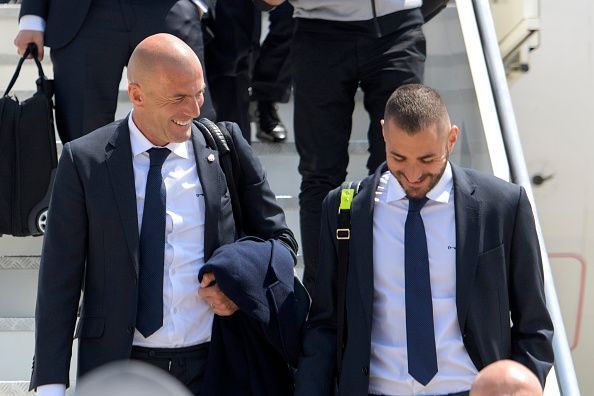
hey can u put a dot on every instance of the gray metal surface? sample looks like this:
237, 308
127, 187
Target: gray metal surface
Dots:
564, 367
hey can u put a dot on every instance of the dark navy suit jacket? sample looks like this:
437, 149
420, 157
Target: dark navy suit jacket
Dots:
92, 240
254, 346
498, 274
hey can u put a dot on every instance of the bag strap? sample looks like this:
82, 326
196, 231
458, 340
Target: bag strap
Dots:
348, 191
219, 138
31, 50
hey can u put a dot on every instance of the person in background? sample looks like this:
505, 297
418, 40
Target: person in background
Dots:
240, 70
339, 47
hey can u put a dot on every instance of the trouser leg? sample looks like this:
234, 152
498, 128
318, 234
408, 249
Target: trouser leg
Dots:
271, 79
385, 64
228, 59
87, 73
324, 90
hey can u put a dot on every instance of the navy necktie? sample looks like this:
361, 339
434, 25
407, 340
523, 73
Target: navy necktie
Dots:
420, 335
149, 317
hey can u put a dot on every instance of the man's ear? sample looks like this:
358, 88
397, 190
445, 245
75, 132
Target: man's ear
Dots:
383, 123
135, 95
452, 137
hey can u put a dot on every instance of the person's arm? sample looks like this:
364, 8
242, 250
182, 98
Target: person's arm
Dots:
316, 374
532, 330
31, 28
32, 20
262, 216
60, 275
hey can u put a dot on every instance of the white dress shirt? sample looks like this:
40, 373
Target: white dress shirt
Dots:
187, 318
388, 374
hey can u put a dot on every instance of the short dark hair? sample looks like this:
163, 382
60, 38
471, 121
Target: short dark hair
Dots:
414, 107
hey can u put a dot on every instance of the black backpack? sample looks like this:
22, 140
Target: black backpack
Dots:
28, 157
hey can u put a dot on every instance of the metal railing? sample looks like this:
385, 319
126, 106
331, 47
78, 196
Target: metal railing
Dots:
564, 368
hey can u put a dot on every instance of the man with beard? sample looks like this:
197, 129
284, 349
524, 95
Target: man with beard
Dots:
440, 259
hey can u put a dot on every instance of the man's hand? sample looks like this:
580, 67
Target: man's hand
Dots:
218, 301
24, 37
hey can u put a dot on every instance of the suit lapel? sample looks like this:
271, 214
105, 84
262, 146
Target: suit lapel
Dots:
118, 157
361, 247
467, 209
210, 178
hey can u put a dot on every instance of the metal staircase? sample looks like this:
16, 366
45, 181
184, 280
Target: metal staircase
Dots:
458, 65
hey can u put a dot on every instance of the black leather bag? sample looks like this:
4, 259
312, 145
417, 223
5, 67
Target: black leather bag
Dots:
28, 157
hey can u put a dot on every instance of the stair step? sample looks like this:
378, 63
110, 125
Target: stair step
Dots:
32, 263
17, 324
19, 263
14, 388
11, 59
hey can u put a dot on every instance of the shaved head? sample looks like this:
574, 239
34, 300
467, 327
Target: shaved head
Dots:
506, 378
160, 53
166, 88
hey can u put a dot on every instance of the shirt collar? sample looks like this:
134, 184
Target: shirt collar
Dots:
441, 192
140, 143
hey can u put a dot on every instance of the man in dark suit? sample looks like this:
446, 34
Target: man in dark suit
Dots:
137, 209
91, 41
444, 272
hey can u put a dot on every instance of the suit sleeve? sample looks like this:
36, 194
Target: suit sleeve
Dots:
532, 329
34, 7
316, 373
60, 276
263, 217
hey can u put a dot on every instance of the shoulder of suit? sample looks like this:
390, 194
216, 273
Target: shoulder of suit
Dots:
97, 139
486, 181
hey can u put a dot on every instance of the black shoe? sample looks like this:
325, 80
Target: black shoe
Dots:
270, 127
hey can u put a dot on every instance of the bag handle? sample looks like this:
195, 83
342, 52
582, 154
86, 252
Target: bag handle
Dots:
31, 50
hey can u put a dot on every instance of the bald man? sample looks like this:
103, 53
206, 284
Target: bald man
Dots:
138, 206
506, 378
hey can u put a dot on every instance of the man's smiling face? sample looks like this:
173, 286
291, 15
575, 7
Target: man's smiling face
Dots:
417, 160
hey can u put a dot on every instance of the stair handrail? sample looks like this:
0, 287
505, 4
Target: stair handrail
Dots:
564, 368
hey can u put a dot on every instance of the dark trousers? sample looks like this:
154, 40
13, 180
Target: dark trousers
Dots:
331, 61
188, 365
230, 58
272, 77
87, 71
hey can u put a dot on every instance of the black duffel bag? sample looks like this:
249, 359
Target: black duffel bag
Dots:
28, 157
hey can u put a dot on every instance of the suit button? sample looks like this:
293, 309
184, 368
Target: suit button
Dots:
130, 329
365, 371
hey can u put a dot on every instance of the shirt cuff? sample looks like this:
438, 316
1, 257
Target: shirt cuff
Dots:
32, 22
51, 390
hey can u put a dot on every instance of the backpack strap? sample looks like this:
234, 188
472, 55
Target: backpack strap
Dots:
348, 191
219, 138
